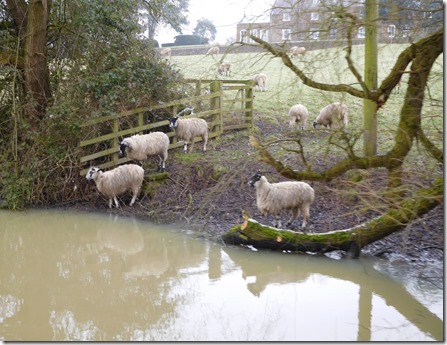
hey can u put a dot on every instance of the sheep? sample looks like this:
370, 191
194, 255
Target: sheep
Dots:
273, 198
140, 147
166, 53
225, 67
295, 51
188, 129
213, 51
117, 181
298, 114
260, 80
333, 114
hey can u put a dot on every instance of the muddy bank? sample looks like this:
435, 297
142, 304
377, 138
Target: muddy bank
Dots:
208, 193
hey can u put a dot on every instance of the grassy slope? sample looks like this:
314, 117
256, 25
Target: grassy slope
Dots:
285, 89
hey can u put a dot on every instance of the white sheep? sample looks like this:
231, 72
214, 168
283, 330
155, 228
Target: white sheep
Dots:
140, 147
295, 51
188, 129
334, 114
117, 181
298, 114
213, 51
166, 53
260, 80
273, 198
225, 68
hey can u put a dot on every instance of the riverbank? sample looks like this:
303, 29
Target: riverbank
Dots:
208, 192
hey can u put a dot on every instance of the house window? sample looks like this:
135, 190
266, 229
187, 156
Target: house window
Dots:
243, 36
333, 33
264, 35
314, 16
391, 30
253, 33
286, 17
315, 35
361, 33
286, 34
406, 31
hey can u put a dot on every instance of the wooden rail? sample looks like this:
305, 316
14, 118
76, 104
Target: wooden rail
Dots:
224, 104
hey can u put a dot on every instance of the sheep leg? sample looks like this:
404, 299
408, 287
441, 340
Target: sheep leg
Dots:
110, 202
205, 141
161, 163
134, 197
306, 215
293, 215
185, 147
191, 145
117, 205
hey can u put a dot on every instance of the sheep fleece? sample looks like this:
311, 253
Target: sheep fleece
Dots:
273, 198
142, 146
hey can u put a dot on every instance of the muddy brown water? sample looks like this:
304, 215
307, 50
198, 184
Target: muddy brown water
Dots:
82, 276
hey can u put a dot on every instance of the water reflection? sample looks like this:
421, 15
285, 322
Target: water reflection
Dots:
72, 276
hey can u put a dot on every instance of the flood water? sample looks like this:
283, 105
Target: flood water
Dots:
82, 276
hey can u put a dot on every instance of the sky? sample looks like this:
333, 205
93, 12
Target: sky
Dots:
224, 14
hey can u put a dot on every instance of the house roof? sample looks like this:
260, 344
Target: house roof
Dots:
281, 6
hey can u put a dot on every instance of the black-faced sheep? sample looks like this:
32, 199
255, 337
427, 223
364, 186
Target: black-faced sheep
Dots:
117, 181
334, 114
140, 147
188, 129
298, 115
225, 68
260, 80
273, 198
213, 51
295, 51
165, 53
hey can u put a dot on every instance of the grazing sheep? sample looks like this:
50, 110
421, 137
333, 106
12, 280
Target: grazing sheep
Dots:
295, 51
213, 51
225, 67
273, 198
333, 114
298, 114
140, 147
117, 181
166, 53
260, 80
188, 129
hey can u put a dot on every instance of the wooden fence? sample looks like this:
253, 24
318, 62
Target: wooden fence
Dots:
224, 104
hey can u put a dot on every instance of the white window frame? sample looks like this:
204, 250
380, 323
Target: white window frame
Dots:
361, 33
286, 34
315, 35
333, 32
243, 35
314, 16
264, 34
286, 17
253, 32
391, 30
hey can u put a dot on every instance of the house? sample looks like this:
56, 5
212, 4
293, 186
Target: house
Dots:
315, 20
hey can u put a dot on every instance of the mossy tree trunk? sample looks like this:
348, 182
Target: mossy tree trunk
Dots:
31, 22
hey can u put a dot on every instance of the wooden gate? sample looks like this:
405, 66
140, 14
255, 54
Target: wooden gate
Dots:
224, 104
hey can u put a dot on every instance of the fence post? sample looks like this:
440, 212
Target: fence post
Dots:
216, 104
115, 142
249, 103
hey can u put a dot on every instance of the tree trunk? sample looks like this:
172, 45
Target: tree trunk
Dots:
371, 56
352, 240
37, 80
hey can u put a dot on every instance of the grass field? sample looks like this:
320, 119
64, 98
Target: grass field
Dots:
286, 89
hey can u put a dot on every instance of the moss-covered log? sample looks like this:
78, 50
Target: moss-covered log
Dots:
352, 240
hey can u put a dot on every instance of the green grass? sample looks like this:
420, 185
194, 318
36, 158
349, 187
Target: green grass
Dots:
286, 89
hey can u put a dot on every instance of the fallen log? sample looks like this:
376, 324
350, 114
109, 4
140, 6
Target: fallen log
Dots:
258, 235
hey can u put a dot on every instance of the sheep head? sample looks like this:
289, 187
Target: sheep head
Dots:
255, 178
91, 174
123, 146
173, 122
